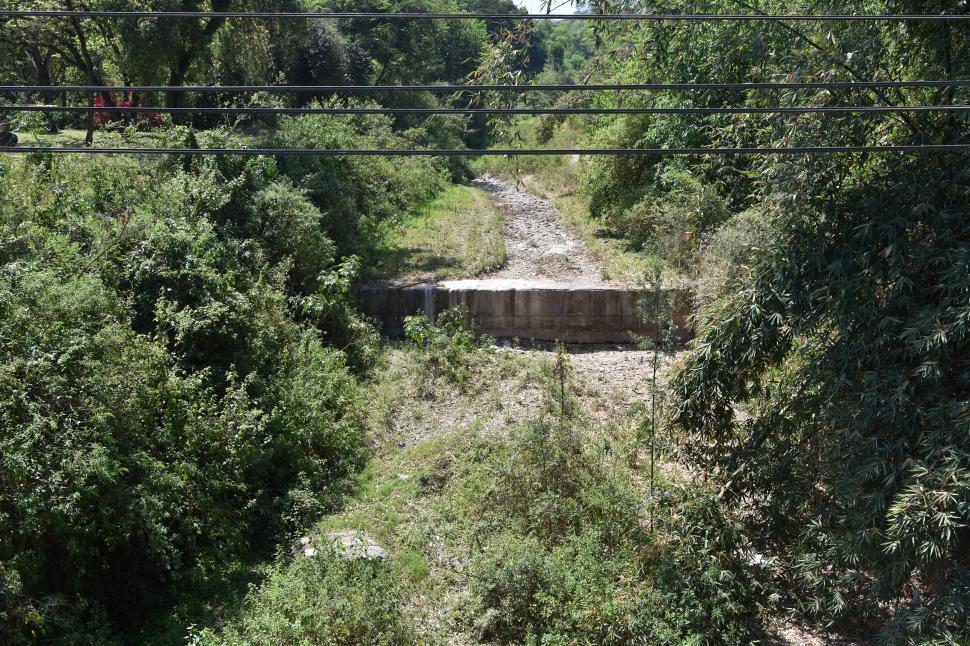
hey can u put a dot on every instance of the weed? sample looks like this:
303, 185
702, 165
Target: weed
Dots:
444, 347
655, 309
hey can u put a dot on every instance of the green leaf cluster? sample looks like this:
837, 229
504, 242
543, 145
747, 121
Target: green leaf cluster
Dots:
177, 339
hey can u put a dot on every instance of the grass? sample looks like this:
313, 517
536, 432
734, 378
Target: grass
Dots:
559, 178
402, 501
72, 138
458, 235
532, 530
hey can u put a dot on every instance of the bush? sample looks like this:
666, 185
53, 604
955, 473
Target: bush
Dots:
122, 474
360, 198
601, 579
444, 346
729, 251
673, 222
168, 408
829, 393
321, 600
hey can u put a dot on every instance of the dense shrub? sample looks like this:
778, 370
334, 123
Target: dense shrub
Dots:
730, 251
672, 220
167, 401
443, 346
359, 197
827, 393
321, 600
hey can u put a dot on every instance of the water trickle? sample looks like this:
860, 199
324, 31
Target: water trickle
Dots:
429, 302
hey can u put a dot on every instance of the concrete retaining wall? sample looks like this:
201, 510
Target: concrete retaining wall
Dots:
542, 311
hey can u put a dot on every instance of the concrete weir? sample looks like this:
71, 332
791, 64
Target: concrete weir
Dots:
524, 309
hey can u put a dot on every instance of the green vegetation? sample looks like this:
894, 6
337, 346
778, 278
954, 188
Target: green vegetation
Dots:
186, 385
536, 534
458, 235
826, 396
166, 412
322, 600
170, 403
181, 356
560, 179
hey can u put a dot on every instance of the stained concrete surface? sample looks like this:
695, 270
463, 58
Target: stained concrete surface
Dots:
526, 309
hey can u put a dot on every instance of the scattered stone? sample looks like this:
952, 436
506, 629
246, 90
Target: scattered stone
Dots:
486, 626
353, 545
348, 544
302, 547
537, 242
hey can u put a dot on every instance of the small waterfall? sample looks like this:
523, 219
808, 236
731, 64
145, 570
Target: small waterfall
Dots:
429, 302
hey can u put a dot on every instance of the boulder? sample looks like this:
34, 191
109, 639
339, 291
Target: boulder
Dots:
353, 545
349, 545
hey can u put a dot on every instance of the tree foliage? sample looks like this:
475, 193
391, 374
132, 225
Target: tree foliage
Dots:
176, 339
827, 391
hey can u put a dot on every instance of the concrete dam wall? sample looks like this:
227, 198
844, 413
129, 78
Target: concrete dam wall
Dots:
528, 310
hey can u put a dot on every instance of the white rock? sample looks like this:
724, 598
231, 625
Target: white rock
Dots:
300, 546
354, 545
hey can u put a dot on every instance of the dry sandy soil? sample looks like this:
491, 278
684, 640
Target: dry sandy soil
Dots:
539, 247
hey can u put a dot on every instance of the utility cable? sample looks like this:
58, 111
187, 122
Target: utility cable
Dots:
610, 87
490, 17
624, 152
877, 109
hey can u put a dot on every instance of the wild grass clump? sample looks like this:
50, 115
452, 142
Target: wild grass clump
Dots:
567, 554
444, 348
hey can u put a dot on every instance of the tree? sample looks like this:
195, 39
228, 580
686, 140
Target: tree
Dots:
827, 394
171, 51
416, 51
846, 346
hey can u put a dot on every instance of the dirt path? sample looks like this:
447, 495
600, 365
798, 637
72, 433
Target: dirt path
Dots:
611, 379
539, 247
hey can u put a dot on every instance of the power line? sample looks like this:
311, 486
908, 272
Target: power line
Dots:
609, 87
877, 109
489, 17
624, 152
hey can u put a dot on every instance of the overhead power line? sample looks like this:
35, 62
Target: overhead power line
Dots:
624, 152
609, 87
877, 109
491, 17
